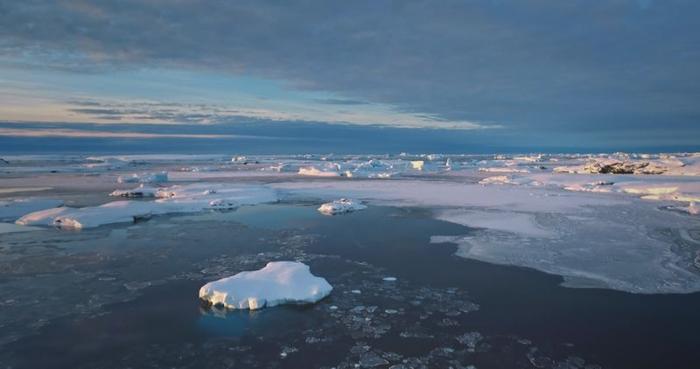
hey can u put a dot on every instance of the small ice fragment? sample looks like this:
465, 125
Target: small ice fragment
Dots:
417, 164
341, 206
279, 282
357, 292
389, 279
314, 172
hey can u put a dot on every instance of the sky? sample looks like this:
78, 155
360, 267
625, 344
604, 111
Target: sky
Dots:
534, 75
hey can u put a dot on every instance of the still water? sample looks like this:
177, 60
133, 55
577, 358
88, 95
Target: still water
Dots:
126, 297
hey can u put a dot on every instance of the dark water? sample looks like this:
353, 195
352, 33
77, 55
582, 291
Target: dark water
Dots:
524, 319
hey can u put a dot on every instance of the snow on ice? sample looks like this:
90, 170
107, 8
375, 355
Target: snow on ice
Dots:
279, 282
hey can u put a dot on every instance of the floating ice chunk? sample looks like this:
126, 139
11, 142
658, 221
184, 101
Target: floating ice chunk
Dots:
315, 172
42, 217
389, 279
417, 164
144, 178
503, 170
341, 206
497, 180
597, 186
281, 167
13, 209
113, 212
140, 191
279, 282
239, 159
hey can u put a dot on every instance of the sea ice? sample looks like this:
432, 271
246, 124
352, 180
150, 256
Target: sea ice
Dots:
144, 178
497, 180
341, 206
175, 199
315, 172
140, 191
279, 282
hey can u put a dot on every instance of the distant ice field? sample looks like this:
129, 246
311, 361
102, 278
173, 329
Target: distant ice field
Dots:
626, 222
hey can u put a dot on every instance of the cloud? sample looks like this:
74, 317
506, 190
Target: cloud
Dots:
530, 65
340, 102
186, 113
77, 133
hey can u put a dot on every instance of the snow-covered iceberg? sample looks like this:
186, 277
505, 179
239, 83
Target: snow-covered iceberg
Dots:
341, 206
279, 282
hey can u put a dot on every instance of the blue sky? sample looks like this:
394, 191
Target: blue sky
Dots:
541, 74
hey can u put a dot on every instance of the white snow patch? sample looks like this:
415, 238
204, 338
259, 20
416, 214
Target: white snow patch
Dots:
519, 223
279, 282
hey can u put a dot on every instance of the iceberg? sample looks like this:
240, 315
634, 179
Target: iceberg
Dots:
341, 206
279, 282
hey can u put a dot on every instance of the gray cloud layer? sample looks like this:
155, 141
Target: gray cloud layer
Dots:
540, 64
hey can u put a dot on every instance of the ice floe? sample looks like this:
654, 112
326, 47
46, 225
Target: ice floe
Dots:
592, 240
279, 282
341, 206
140, 191
497, 180
315, 172
175, 199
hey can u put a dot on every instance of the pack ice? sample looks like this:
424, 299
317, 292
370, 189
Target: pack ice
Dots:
174, 199
279, 282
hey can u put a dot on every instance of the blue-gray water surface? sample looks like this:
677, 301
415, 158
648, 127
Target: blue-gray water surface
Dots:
126, 297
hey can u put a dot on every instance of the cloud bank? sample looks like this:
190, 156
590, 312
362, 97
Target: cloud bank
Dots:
546, 65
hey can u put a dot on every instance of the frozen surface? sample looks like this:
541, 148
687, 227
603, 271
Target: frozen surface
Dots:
140, 191
280, 282
591, 239
144, 178
174, 199
341, 206
621, 221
